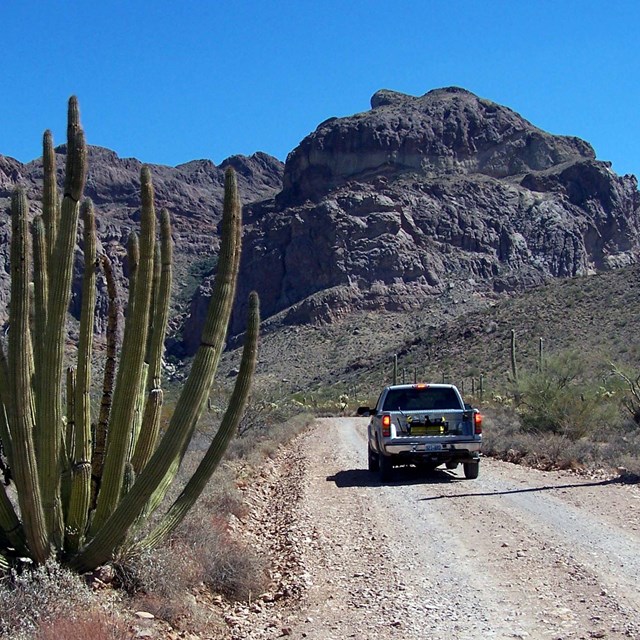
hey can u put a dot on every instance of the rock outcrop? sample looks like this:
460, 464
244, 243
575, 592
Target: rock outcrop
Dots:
445, 193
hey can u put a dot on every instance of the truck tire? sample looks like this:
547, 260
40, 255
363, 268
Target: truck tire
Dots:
374, 463
471, 470
385, 467
452, 464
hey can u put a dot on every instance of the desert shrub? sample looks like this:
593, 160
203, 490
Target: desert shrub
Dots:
617, 444
93, 624
161, 581
229, 567
628, 388
224, 563
562, 400
40, 596
167, 571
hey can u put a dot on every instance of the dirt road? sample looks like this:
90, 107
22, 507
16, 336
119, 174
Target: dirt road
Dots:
517, 553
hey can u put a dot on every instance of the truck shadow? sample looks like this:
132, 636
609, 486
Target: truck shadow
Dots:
401, 476
480, 494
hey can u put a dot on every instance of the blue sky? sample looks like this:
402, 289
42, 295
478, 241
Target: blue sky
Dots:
168, 82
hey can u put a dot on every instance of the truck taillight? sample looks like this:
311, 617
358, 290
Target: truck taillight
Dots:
477, 423
386, 425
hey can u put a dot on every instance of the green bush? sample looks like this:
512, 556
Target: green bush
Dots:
565, 398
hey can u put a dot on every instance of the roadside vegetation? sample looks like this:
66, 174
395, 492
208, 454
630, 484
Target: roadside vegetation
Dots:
200, 561
573, 414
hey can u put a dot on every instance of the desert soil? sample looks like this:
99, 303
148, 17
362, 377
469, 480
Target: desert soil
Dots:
517, 553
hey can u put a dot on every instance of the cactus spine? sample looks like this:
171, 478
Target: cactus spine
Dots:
54, 457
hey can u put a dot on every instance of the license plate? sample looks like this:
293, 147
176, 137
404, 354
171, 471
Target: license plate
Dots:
428, 447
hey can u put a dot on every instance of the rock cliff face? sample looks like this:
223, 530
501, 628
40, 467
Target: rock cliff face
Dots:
445, 193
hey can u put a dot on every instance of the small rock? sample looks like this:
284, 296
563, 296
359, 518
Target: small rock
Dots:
144, 615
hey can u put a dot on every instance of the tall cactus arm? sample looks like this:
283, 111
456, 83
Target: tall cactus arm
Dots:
68, 443
156, 344
41, 294
76, 167
149, 430
5, 407
50, 422
151, 424
192, 399
81, 483
97, 458
138, 415
129, 374
41, 288
223, 437
133, 260
25, 470
153, 308
50, 199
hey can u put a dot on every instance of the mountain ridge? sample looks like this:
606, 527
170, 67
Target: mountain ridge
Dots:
419, 203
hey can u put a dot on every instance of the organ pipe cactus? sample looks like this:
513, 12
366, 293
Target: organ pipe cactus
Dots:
83, 483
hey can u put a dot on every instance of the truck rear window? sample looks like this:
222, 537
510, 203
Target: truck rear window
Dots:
424, 399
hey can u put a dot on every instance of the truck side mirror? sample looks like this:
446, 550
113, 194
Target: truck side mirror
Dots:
363, 411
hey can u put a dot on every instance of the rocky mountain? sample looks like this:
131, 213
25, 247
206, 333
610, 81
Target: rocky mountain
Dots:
419, 197
430, 204
192, 192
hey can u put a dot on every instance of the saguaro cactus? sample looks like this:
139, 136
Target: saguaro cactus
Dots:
81, 498
514, 364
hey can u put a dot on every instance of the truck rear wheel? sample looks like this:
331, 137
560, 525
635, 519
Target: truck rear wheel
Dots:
385, 467
374, 461
471, 470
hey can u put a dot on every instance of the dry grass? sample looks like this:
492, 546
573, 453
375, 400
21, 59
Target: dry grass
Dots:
45, 601
96, 625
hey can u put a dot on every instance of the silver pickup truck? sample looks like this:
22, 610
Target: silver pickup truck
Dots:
423, 424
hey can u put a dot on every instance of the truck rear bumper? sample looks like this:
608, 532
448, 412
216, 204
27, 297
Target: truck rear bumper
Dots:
419, 447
